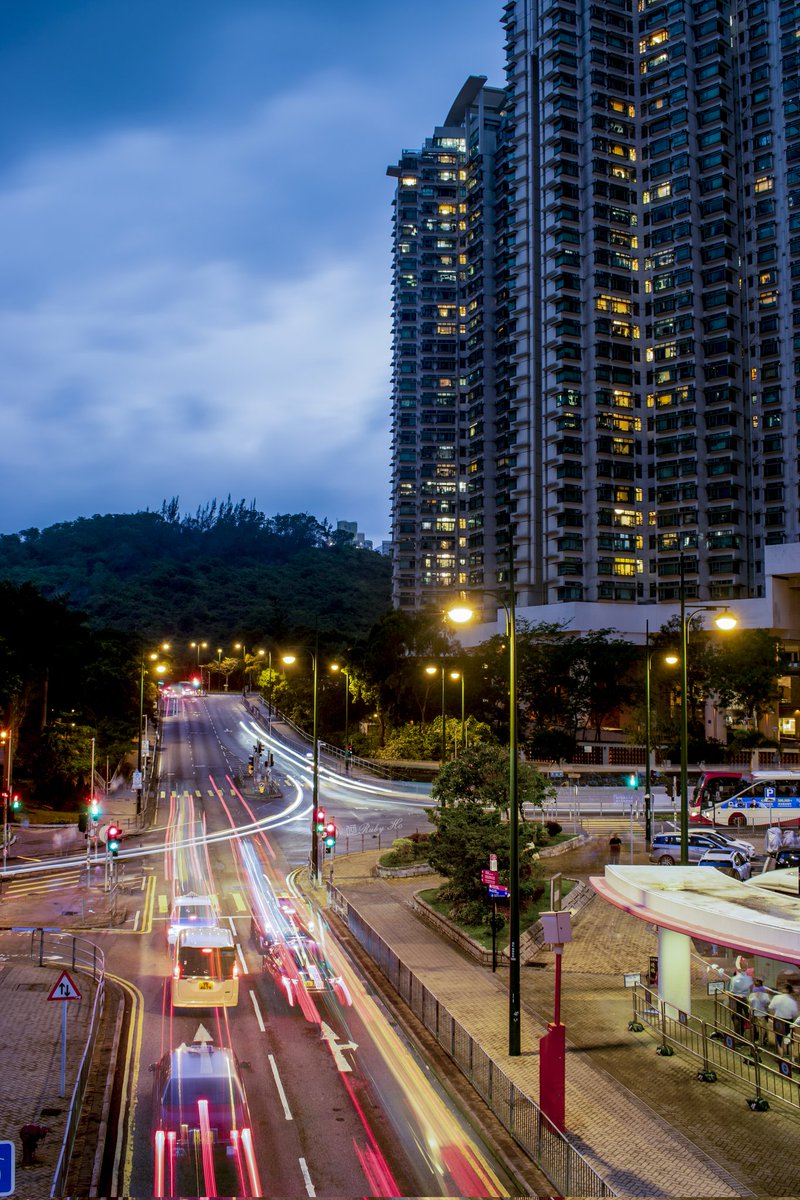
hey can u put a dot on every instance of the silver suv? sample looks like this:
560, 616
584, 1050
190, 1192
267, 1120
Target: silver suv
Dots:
666, 847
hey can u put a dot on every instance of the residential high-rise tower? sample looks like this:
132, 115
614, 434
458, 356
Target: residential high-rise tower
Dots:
597, 310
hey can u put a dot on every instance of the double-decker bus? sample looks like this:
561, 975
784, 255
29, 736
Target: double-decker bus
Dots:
755, 798
205, 973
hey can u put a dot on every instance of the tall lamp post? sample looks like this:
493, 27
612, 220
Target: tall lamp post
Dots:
461, 614
432, 671
198, 646
346, 675
463, 741
725, 621
153, 657
289, 659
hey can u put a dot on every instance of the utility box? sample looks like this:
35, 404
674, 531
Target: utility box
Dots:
556, 927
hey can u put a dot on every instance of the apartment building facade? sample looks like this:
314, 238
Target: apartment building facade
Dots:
602, 368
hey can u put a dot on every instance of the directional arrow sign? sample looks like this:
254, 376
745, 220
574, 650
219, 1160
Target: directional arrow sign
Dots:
489, 877
331, 1038
64, 989
202, 1034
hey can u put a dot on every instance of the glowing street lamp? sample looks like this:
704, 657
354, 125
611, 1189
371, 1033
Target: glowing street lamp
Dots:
724, 621
289, 659
432, 671
460, 614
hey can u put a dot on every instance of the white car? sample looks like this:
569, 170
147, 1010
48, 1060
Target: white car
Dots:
731, 862
190, 912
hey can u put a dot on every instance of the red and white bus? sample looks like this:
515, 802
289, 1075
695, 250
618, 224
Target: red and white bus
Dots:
754, 798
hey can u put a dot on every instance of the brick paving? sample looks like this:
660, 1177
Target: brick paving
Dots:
30, 1053
644, 1122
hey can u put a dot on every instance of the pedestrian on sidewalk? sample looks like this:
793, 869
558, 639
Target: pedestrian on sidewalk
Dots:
759, 1007
783, 1010
789, 841
740, 986
614, 847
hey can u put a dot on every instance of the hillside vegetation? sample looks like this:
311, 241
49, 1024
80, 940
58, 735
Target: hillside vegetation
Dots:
228, 571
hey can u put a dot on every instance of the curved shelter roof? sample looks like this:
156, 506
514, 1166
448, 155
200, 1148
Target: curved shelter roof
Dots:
759, 917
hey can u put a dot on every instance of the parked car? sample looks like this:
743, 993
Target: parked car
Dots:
729, 862
787, 857
666, 847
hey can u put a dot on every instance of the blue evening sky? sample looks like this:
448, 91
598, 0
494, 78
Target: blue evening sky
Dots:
195, 230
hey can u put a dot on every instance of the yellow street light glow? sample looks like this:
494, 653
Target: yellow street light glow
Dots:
431, 670
160, 669
461, 613
725, 622
671, 660
334, 666
455, 674
288, 659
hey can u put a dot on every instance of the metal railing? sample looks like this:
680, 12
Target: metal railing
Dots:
570, 1173
53, 948
755, 1056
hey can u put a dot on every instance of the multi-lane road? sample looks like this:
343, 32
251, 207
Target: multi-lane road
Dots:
336, 1102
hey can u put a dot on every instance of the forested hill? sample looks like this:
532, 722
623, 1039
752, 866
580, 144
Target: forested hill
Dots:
228, 571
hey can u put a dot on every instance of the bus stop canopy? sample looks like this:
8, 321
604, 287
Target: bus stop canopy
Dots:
757, 917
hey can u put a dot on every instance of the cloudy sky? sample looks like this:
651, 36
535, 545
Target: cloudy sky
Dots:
195, 231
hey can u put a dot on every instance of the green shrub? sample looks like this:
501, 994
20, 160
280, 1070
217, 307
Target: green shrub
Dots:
553, 828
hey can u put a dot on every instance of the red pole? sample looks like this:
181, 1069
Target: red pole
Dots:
557, 998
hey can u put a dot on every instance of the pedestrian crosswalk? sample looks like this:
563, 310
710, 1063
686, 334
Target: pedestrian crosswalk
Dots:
36, 884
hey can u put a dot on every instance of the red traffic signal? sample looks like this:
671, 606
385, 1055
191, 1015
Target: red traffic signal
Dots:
330, 835
114, 833
319, 819
16, 803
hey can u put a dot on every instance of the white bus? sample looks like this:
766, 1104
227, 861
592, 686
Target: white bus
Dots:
205, 972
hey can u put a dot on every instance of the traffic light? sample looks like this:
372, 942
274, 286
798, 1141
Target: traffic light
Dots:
4, 796
632, 781
259, 747
83, 822
330, 836
319, 820
94, 809
112, 839
16, 803
250, 765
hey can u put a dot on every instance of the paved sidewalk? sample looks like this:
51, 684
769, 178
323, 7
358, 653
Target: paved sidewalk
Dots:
645, 1123
30, 1053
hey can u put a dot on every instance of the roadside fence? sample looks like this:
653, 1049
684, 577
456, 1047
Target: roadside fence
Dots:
570, 1173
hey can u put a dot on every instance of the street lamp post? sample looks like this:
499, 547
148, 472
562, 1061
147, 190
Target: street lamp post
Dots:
461, 614
346, 675
460, 675
198, 646
724, 621
289, 659
432, 671
6, 737
153, 658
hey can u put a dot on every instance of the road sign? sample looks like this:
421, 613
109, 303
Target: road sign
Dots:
499, 892
64, 989
489, 877
769, 793
7, 1161
492, 862
137, 780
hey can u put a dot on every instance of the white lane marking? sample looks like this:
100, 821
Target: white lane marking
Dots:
287, 1112
259, 1017
307, 1176
230, 922
136, 919
242, 958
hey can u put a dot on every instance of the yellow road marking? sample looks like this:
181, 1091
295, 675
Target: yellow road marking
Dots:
147, 910
239, 902
163, 907
132, 1050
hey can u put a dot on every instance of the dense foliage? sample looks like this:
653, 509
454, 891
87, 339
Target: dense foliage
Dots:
228, 571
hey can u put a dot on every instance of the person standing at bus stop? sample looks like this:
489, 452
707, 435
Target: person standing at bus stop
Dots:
614, 847
740, 987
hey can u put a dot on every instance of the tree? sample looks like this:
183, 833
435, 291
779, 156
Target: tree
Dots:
743, 670
480, 777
